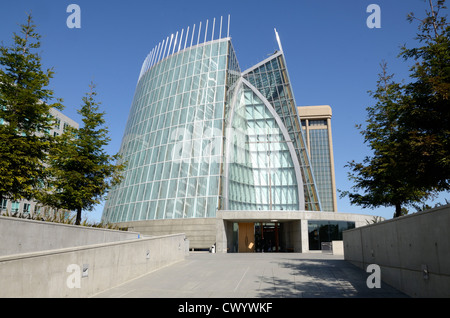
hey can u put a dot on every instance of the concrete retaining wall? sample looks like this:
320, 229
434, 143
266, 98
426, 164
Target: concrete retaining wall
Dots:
87, 270
201, 232
19, 236
413, 251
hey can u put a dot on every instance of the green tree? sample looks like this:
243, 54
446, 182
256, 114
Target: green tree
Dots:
385, 178
82, 172
24, 115
425, 111
408, 127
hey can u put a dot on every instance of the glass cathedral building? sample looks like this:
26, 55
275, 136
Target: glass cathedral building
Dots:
205, 140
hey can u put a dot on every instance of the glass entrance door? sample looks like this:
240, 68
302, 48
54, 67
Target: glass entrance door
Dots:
267, 237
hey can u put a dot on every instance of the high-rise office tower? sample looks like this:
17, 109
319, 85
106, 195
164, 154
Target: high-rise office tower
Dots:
316, 124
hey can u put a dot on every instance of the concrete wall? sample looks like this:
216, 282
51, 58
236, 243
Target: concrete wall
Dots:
413, 251
19, 236
224, 234
59, 273
337, 247
201, 232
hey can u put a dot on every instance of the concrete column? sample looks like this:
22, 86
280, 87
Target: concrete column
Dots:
304, 236
221, 236
295, 235
225, 240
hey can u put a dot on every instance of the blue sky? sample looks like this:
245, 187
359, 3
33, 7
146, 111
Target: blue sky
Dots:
333, 58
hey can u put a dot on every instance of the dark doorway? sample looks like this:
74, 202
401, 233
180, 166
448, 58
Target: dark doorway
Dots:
267, 237
326, 231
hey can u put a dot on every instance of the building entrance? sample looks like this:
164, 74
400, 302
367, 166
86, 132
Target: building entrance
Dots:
267, 237
258, 237
246, 238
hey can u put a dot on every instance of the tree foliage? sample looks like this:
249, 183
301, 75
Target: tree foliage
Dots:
82, 171
24, 115
386, 177
425, 109
408, 127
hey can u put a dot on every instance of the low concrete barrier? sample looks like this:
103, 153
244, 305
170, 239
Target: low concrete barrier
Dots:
201, 232
412, 251
19, 236
87, 270
338, 247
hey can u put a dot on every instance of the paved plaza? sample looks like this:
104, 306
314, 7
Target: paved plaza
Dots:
256, 275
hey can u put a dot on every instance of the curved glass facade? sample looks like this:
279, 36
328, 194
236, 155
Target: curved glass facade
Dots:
270, 77
202, 136
172, 171
261, 172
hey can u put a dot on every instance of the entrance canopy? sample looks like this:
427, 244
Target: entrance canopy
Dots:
300, 231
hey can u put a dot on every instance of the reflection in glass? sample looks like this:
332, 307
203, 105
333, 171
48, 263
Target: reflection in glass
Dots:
326, 231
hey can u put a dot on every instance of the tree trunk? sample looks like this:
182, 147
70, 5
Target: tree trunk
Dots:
78, 221
398, 210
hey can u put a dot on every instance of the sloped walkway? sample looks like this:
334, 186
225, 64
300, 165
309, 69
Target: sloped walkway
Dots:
269, 275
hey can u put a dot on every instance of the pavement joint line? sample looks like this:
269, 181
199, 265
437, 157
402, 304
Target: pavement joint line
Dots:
248, 267
124, 294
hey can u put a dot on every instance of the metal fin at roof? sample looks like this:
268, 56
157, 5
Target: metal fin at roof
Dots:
278, 40
169, 46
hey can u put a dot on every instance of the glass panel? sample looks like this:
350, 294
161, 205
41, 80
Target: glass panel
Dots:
258, 159
190, 207
169, 99
179, 207
326, 231
169, 209
160, 209
271, 79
